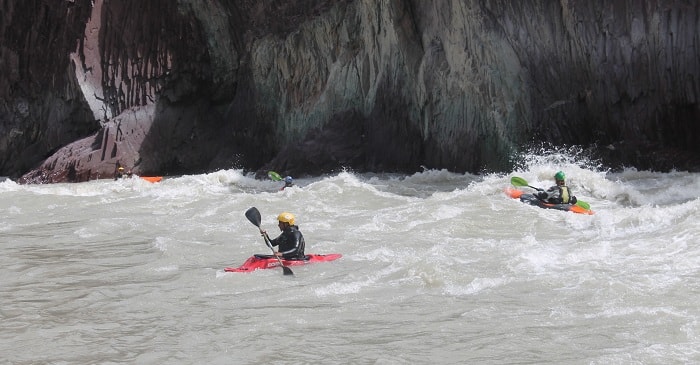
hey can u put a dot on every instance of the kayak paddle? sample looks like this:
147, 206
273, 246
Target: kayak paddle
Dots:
274, 176
519, 181
253, 216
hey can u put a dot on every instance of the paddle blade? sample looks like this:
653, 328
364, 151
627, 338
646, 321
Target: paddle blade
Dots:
518, 181
287, 271
274, 176
583, 205
253, 216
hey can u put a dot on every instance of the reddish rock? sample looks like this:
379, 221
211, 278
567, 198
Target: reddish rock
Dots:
98, 156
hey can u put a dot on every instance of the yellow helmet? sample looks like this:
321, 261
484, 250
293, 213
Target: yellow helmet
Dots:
121, 168
286, 217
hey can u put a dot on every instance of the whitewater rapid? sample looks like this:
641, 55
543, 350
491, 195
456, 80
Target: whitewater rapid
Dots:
437, 267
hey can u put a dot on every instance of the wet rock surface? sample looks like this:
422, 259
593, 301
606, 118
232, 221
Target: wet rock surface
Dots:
310, 87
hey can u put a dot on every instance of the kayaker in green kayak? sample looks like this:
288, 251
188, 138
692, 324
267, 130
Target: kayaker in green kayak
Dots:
557, 194
288, 182
290, 242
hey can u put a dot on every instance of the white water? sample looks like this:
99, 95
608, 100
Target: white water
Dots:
437, 268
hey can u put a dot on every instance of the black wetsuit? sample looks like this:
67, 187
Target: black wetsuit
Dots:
291, 243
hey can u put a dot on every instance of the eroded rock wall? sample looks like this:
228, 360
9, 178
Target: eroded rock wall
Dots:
307, 87
464, 84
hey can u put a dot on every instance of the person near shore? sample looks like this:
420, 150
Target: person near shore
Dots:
557, 194
290, 243
120, 172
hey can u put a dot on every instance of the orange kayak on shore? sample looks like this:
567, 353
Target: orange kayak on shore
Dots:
152, 179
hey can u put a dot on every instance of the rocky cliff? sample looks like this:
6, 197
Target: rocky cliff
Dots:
42, 107
306, 87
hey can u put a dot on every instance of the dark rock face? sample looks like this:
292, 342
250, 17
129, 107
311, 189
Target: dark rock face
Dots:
41, 105
307, 87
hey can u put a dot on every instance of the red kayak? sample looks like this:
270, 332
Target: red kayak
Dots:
532, 200
256, 262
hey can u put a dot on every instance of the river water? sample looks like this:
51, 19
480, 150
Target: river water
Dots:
437, 268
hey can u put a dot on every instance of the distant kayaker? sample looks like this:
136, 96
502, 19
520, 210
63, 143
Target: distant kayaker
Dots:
291, 242
288, 182
559, 193
120, 172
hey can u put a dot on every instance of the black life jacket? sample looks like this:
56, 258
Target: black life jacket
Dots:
291, 243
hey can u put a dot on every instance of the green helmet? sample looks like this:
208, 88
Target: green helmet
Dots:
560, 176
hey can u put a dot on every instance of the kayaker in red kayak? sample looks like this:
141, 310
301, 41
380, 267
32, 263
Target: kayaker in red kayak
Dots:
290, 242
557, 194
